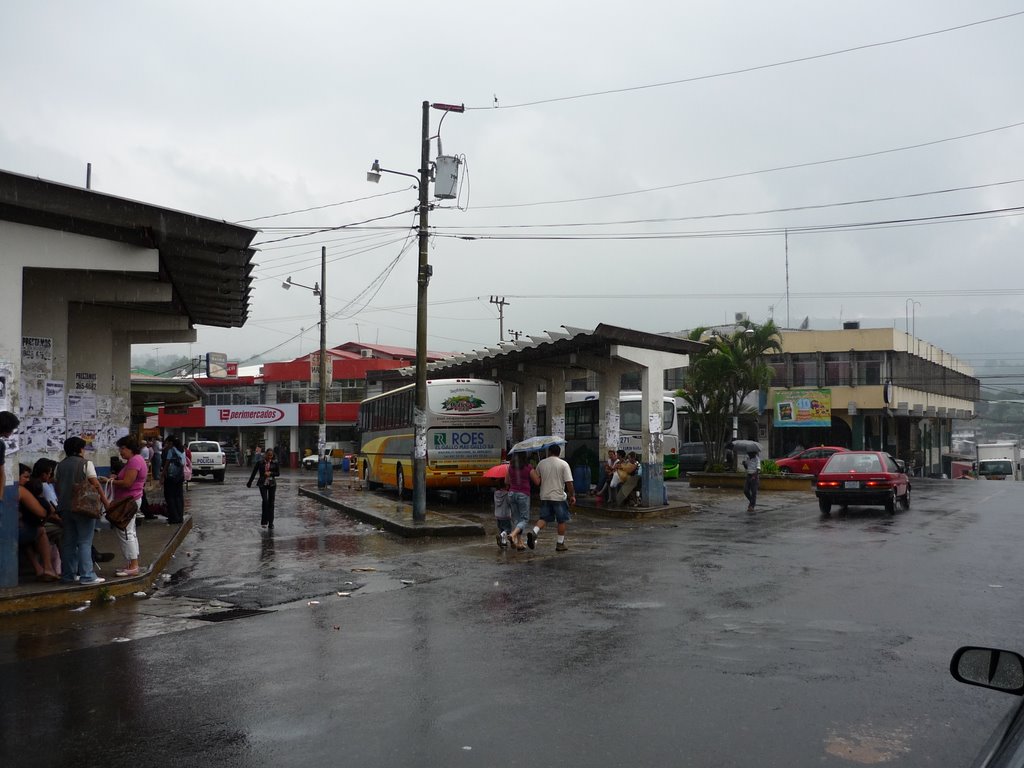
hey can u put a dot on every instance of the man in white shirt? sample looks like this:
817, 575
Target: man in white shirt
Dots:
555, 488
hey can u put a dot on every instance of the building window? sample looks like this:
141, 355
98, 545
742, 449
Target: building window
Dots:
777, 363
869, 368
805, 370
837, 369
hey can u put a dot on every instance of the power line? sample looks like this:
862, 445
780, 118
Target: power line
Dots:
335, 229
745, 70
328, 205
789, 209
753, 232
744, 174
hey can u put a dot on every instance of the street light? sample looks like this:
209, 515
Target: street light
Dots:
419, 417
319, 289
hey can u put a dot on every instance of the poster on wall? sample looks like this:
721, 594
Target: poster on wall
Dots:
85, 381
36, 357
40, 434
53, 398
802, 408
6, 371
31, 396
81, 406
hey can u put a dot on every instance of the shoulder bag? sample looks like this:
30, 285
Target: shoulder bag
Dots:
85, 499
122, 512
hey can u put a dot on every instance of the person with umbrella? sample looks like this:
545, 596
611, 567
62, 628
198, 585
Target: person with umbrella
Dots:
556, 487
752, 464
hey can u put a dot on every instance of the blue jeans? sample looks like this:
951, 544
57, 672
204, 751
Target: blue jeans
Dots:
519, 505
76, 547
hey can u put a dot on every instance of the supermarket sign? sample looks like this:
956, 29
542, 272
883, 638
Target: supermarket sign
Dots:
285, 415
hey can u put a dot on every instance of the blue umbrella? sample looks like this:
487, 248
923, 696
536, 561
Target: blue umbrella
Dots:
538, 443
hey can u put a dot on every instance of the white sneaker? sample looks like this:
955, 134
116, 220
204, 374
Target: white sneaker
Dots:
97, 580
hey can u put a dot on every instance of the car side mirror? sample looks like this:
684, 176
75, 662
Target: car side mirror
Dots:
901, 466
989, 668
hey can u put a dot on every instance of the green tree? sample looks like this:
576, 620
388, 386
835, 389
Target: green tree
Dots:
720, 377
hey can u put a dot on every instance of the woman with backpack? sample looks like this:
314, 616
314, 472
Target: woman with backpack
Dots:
173, 479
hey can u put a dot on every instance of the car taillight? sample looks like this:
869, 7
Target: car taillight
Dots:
828, 484
878, 484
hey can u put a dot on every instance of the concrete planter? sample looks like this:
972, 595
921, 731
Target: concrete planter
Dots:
736, 480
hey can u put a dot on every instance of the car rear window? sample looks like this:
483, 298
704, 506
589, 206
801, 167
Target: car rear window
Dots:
205, 448
692, 449
853, 462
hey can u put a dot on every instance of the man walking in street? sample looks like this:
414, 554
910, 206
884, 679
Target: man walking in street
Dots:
556, 488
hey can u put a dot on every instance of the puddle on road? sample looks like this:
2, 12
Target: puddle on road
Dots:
868, 745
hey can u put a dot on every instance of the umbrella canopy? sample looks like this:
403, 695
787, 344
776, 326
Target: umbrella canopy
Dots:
497, 472
538, 443
745, 446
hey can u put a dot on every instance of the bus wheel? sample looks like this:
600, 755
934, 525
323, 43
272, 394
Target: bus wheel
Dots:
366, 477
399, 480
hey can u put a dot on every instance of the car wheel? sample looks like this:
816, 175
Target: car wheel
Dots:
825, 505
890, 503
399, 481
219, 476
906, 499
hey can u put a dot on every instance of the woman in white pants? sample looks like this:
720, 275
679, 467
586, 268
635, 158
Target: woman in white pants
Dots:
129, 483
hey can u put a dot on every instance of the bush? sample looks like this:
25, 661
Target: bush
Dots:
769, 467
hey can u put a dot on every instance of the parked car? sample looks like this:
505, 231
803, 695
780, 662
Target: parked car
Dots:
1001, 671
337, 460
207, 459
809, 461
692, 457
863, 478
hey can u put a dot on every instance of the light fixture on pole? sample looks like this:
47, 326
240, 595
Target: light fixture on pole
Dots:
423, 273
320, 290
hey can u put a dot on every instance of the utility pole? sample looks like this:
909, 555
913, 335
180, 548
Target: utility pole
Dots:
500, 303
515, 334
322, 430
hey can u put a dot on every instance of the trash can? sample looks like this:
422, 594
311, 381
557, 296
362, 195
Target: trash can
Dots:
324, 472
9, 536
581, 479
345, 464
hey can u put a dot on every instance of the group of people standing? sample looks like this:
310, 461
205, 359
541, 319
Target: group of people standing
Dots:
57, 539
553, 477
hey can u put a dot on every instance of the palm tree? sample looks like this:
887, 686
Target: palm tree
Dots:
721, 377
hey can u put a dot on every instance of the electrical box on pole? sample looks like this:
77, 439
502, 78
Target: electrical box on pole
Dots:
446, 180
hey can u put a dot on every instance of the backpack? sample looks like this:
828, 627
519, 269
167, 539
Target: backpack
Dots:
175, 470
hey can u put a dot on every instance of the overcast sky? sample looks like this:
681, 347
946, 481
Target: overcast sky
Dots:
237, 110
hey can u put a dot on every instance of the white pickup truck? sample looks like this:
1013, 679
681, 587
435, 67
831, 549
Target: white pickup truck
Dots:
208, 458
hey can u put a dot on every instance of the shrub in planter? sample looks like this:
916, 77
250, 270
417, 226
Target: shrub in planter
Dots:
769, 467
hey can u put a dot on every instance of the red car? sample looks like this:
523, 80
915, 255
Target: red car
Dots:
809, 461
863, 478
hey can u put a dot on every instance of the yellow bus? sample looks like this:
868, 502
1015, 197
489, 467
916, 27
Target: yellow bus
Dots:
465, 432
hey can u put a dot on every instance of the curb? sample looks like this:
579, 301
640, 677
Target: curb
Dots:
438, 523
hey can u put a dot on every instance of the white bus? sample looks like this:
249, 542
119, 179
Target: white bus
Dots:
465, 433
581, 412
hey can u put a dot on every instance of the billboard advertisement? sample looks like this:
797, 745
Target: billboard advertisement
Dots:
283, 415
802, 408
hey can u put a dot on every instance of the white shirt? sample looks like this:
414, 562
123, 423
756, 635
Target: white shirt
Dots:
554, 473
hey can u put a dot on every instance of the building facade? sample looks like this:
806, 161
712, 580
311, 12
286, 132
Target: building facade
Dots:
867, 388
278, 405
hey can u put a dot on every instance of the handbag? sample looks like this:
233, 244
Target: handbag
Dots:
122, 512
85, 500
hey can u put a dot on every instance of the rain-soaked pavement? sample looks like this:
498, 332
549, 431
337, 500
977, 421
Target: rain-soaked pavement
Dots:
711, 638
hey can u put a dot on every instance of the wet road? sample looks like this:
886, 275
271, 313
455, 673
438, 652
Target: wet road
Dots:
713, 638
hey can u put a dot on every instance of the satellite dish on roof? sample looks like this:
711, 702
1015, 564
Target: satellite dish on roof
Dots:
806, 323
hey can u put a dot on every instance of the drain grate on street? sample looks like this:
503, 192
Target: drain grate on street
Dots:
234, 613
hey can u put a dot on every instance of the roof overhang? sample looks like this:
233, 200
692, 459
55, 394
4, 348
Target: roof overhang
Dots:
156, 390
570, 348
208, 262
